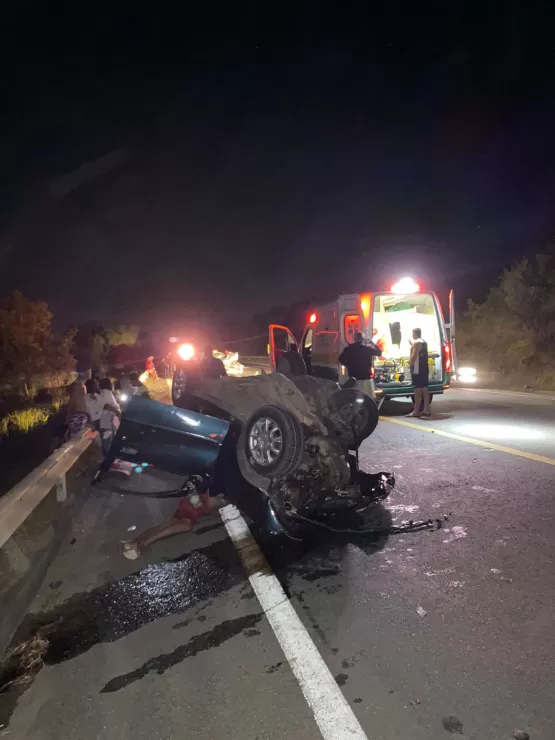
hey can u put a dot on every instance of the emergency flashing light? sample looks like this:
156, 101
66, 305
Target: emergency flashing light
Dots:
312, 318
405, 286
365, 305
186, 351
447, 351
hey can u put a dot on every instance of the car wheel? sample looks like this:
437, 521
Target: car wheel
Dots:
354, 416
179, 385
272, 442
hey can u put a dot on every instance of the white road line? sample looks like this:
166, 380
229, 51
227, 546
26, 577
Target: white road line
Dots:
332, 713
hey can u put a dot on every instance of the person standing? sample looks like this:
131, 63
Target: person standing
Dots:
76, 414
420, 375
357, 358
212, 367
150, 368
93, 403
110, 415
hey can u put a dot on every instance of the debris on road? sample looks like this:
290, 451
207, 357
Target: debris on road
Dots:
404, 508
496, 571
456, 533
521, 735
439, 572
453, 725
421, 611
23, 663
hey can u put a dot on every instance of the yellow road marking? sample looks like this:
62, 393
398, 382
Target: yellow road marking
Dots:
472, 441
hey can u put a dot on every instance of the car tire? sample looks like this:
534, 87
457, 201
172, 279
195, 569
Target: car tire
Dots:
271, 443
184, 381
291, 364
179, 386
353, 416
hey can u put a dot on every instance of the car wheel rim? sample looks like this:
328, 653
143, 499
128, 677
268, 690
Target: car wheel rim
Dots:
178, 385
265, 441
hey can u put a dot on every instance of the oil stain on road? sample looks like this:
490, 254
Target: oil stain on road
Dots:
112, 611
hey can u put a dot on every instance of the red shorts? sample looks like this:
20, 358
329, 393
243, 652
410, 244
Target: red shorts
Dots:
186, 510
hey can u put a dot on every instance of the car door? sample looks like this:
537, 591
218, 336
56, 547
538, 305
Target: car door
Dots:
169, 438
452, 328
281, 341
306, 347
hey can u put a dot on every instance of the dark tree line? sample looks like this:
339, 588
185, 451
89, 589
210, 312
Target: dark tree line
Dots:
513, 331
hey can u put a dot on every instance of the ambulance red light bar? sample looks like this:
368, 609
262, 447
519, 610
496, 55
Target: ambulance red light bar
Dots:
312, 318
365, 305
405, 286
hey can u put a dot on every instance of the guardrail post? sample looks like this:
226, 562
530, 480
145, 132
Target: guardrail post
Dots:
61, 489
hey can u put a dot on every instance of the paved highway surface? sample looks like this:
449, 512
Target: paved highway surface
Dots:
428, 635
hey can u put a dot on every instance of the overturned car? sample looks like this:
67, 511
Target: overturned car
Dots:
290, 442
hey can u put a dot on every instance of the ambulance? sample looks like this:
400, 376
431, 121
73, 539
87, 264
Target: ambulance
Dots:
386, 318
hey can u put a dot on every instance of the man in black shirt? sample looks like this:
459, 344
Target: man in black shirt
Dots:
211, 366
357, 358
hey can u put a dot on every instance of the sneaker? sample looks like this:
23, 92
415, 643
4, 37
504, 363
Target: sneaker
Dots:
131, 551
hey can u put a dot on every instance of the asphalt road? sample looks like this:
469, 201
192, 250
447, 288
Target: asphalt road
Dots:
428, 635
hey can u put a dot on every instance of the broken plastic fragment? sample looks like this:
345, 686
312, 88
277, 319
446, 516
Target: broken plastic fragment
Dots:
421, 611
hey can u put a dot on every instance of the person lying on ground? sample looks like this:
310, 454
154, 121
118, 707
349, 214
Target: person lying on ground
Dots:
190, 510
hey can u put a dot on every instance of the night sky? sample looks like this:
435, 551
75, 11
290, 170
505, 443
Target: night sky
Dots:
160, 164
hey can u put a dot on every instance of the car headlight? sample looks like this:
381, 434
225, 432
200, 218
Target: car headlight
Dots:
467, 374
186, 351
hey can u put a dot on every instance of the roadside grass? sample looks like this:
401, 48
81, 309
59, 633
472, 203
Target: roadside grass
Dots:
23, 420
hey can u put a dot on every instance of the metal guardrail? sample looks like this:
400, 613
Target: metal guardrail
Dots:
256, 361
20, 501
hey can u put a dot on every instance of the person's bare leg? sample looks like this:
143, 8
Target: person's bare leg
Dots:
133, 548
426, 396
418, 392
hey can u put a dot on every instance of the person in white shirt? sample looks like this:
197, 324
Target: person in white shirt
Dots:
93, 403
110, 414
